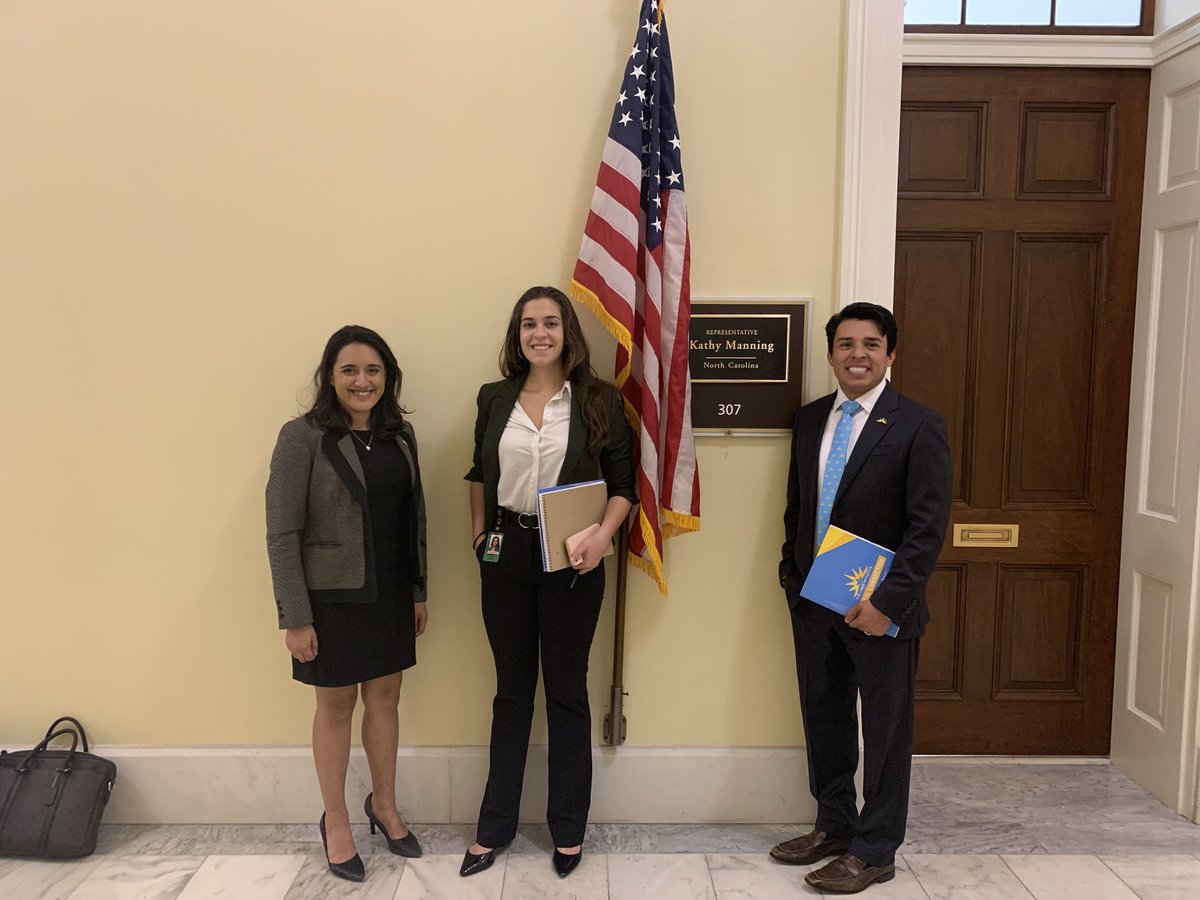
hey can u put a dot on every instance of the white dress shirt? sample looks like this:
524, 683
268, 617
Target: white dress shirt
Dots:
867, 401
532, 458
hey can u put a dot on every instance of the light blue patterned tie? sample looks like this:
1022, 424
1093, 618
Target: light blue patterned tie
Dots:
834, 466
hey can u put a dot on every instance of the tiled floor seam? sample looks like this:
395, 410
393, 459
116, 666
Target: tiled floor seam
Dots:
1028, 889
712, 884
203, 860
1104, 863
917, 878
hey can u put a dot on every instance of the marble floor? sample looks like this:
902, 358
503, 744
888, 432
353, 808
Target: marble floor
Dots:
976, 830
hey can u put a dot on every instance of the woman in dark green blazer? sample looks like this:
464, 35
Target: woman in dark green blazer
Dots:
551, 421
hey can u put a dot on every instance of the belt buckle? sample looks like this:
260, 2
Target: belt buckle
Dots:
521, 517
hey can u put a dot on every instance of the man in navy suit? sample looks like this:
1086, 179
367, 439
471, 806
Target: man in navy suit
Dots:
875, 463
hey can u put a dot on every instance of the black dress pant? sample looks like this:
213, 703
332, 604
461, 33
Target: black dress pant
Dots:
835, 663
528, 612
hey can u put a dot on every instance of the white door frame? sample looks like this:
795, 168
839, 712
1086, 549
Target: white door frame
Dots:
870, 150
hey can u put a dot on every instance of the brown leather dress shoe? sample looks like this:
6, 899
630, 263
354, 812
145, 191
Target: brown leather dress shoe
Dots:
808, 849
848, 875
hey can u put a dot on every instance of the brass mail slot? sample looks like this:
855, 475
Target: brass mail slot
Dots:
975, 535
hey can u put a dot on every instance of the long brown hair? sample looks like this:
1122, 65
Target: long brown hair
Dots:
387, 416
576, 362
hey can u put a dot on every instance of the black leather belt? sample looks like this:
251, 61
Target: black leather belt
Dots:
506, 517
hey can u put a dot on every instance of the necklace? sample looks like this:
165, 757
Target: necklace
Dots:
367, 442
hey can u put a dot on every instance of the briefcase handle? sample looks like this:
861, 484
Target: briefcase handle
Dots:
78, 728
66, 767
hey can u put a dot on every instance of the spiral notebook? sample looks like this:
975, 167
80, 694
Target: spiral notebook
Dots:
565, 510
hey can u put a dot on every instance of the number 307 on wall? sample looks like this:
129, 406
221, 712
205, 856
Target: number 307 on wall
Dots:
728, 409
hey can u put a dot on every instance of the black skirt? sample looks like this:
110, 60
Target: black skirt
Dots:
357, 642
360, 641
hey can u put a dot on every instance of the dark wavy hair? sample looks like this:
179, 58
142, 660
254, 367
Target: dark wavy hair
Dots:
867, 312
576, 359
387, 416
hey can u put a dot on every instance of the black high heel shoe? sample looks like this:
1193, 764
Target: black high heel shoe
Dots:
406, 846
352, 869
474, 863
566, 863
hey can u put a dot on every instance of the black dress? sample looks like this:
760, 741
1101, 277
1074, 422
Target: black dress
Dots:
360, 641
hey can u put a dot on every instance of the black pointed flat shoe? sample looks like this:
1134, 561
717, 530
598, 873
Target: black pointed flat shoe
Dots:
406, 846
566, 863
474, 863
352, 869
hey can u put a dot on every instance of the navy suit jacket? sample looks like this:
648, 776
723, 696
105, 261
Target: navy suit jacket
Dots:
895, 491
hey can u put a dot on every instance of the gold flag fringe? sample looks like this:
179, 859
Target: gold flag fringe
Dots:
674, 523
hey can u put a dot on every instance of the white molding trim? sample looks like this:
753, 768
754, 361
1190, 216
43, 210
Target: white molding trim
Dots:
870, 150
1082, 50
1108, 50
1176, 40
245, 785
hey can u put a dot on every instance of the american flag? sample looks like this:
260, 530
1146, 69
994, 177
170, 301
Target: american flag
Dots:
633, 273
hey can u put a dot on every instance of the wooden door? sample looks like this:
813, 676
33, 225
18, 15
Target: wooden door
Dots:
1016, 270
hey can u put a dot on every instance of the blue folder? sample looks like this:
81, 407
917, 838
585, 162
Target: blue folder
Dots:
847, 570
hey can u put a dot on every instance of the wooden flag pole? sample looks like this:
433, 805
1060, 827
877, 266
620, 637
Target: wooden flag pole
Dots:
614, 719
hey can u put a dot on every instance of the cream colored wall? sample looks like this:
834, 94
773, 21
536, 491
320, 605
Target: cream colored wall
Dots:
194, 195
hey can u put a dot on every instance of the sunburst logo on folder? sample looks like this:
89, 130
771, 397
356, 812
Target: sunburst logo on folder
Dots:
855, 579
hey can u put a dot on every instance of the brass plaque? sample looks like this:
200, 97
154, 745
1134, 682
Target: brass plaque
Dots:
757, 352
748, 359
978, 535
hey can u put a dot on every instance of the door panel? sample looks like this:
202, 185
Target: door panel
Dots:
1050, 408
1038, 651
1067, 151
941, 671
1019, 197
941, 149
942, 345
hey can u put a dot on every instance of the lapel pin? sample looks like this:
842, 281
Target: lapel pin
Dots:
881, 420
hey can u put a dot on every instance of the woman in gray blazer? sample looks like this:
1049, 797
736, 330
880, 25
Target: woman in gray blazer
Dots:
346, 541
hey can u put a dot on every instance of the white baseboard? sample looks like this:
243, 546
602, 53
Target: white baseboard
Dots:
184, 785
954, 759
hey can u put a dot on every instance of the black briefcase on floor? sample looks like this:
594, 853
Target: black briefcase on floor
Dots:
51, 801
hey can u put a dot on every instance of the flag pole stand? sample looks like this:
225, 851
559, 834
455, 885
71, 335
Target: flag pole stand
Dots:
614, 719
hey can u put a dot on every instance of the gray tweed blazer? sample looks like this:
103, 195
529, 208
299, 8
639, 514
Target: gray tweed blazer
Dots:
319, 538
